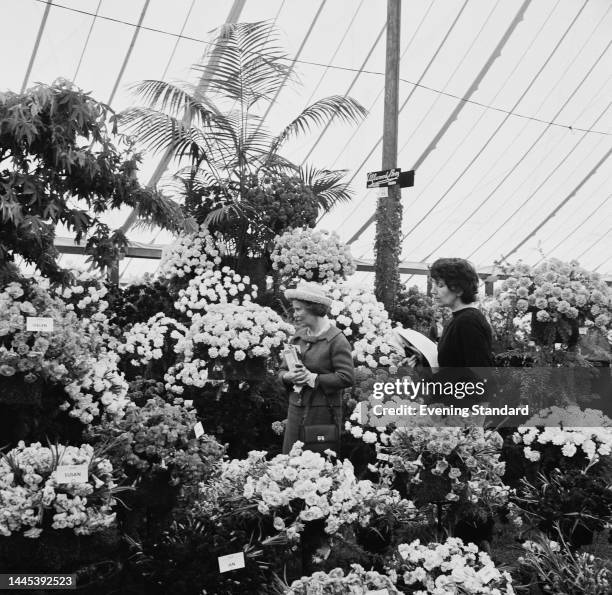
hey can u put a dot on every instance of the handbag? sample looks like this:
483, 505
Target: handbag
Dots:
320, 437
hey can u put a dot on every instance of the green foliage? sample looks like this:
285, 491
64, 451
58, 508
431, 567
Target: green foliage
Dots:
62, 163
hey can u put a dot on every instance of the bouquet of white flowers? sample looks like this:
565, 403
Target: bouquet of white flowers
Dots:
570, 429
304, 486
336, 582
314, 255
449, 568
33, 496
215, 287
151, 340
191, 255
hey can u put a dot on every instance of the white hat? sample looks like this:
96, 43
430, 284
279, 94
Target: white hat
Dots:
309, 292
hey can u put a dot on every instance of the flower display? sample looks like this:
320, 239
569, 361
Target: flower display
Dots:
191, 255
563, 294
33, 499
463, 463
215, 287
414, 309
157, 437
337, 582
152, 340
449, 568
314, 255
102, 385
85, 295
571, 430
304, 486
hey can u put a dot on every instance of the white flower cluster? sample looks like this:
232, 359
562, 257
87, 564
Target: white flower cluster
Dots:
235, 331
85, 295
571, 429
310, 487
556, 290
364, 320
357, 580
102, 384
449, 568
215, 287
191, 255
146, 341
29, 487
312, 255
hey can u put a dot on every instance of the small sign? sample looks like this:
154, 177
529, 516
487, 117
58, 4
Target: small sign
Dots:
386, 177
198, 429
382, 456
188, 403
37, 323
382, 192
582, 330
231, 562
406, 179
378, 592
72, 473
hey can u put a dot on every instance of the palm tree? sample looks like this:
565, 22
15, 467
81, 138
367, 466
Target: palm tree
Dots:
216, 130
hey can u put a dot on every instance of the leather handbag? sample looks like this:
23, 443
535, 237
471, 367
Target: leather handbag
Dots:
320, 437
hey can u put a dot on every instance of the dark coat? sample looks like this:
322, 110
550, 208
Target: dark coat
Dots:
328, 355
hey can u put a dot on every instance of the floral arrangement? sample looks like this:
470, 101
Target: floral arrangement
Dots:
190, 256
159, 437
153, 340
559, 570
450, 463
314, 255
304, 486
229, 334
32, 499
52, 356
570, 430
85, 295
563, 294
102, 385
215, 287
449, 568
336, 582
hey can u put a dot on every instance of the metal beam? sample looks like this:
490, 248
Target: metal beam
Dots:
134, 249
43, 23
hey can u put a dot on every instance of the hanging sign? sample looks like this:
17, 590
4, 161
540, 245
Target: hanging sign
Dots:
384, 178
390, 177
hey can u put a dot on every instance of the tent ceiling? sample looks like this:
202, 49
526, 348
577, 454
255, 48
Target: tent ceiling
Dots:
506, 106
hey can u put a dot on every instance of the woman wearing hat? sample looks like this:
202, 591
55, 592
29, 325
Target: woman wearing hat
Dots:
326, 364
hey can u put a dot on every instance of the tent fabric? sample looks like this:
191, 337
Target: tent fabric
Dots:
505, 107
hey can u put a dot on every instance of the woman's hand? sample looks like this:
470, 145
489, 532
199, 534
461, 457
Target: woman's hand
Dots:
410, 362
298, 376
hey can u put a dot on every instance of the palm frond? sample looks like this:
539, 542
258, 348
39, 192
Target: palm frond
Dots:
245, 64
321, 113
327, 185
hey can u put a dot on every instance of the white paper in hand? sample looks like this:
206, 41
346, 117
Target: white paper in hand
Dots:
72, 473
231, 562
198, 429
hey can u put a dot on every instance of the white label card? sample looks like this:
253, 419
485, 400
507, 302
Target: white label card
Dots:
378, 592
382, 456
188, 403
72, 473
582, 330
198, 429
231, 562
37, 323
382, 192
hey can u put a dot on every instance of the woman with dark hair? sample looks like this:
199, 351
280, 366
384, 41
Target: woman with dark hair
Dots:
467, 339
325, 368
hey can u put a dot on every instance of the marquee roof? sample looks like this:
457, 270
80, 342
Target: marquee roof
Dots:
505, 106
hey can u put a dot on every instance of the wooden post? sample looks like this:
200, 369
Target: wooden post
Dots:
387, 245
